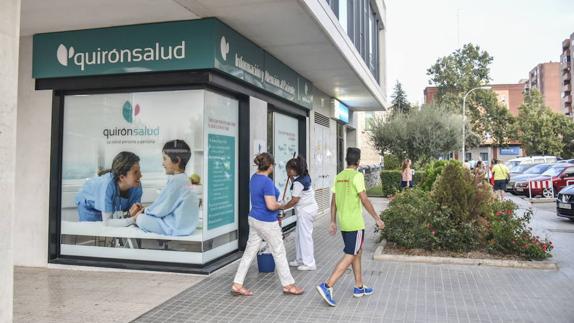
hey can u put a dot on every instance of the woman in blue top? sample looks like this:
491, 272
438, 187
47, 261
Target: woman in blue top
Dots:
113, 191
263, 225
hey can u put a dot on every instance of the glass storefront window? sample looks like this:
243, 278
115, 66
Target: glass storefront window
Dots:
283, 144
343, 17
190, 212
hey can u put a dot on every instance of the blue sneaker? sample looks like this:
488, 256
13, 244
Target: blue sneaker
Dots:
326, 293
360, 292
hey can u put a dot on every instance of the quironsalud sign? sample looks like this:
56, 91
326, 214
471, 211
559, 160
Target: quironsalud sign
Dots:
168, 46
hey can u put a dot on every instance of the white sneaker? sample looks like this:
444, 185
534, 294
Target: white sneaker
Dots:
303, 267
294, 263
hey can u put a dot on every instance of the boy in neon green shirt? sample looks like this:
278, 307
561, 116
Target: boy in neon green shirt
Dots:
349, 197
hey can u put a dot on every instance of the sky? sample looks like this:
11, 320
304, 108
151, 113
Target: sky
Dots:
519, 34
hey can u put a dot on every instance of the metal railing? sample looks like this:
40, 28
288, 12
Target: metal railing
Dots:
547, 187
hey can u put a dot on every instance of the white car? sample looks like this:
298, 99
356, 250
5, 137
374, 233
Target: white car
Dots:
531, 160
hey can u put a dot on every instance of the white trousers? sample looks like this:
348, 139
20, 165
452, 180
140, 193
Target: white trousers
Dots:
270, 232
304, 237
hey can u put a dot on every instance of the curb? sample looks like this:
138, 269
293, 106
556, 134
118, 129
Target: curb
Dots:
543, 265
542, 200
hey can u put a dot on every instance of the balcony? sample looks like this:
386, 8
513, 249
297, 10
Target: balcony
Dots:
566, 44
566, 77
564, 62
567, 87
568, 99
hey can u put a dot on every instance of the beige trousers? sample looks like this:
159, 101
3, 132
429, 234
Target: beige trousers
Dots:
270, 232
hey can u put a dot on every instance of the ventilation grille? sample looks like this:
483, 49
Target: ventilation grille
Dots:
321, 120
323, 198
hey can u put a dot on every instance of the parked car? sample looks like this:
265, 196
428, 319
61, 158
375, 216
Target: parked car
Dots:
521, 169
569, 161
565, 203
531, 172
530, 160
548, 183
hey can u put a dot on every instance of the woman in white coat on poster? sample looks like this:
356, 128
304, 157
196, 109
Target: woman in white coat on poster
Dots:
306, 208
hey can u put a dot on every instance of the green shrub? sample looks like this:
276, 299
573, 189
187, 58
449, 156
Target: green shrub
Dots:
407, 219
509, 233
459, 215
391, 181
455, 190
418, 178
432, 171
451, 234
391, 162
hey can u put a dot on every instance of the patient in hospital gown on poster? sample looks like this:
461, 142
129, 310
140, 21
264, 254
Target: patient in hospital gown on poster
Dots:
176, 210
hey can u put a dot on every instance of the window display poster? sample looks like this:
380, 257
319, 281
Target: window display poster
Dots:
285, 147
99, 127
221, 179
221, 128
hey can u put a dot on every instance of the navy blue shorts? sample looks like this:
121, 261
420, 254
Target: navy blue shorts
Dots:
500, 185
354, 241
404, 184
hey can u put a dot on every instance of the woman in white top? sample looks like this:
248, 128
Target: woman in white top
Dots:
303, 199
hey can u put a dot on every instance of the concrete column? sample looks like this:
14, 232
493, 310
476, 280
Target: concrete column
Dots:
9, 38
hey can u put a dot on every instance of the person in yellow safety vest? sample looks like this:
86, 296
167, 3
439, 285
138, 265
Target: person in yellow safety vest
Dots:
501, 178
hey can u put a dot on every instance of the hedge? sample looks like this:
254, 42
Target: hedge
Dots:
391, 181
391, 162
459, 215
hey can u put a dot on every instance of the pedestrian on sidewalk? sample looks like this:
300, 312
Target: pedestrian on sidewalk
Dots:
349, 197
479, 172
263, 225
491, 173
406, 175
303, 199
501, 178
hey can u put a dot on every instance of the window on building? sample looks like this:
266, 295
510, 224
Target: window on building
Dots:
343, 16
484, 157
359, 19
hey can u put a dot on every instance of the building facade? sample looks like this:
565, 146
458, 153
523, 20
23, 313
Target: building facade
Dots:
370, 156
545, 78
230, 78
509, 95
566, 75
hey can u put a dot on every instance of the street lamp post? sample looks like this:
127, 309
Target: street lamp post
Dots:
464, 117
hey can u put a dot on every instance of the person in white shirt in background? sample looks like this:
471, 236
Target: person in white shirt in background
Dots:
306, 208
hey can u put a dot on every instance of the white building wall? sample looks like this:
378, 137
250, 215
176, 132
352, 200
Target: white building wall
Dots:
9, 36
32, 165
369, 154
328, 165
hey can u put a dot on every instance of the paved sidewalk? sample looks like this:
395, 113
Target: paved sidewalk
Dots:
91, 294
403, 292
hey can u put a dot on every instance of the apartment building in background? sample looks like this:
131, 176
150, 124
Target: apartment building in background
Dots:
511, 96
508, 94
545, 77
566, 75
